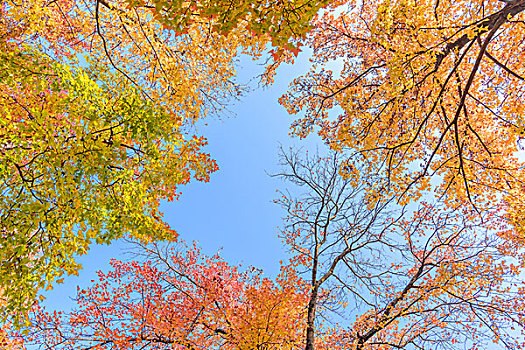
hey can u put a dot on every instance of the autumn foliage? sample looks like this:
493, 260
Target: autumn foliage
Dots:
409, 233
398, 276
364, 273
179, 299
430, 92
96, 99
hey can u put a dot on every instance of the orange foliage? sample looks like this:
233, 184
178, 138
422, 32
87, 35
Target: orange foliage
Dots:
431, 92
178, 300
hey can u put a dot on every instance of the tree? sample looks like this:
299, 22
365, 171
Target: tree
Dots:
178, 299
96, 99
431, 92
389, 276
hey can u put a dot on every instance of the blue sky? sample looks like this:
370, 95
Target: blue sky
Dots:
234, 211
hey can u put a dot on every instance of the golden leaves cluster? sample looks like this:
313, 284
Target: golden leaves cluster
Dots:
430, 92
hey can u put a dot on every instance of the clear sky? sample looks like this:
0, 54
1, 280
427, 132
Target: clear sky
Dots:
234, 211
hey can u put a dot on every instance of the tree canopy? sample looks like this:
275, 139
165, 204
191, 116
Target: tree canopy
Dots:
411, 231
178, 298
96, 100
397, 276
430, 92
392, 278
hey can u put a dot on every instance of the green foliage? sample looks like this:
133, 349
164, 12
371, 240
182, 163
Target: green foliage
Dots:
81, 163
284, 21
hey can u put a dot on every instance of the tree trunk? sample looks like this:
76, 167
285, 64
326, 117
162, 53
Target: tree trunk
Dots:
310, 330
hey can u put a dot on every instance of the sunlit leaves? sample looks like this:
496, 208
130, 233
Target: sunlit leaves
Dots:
178, 299
96, 99
82, 166
431, 93
284, 22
